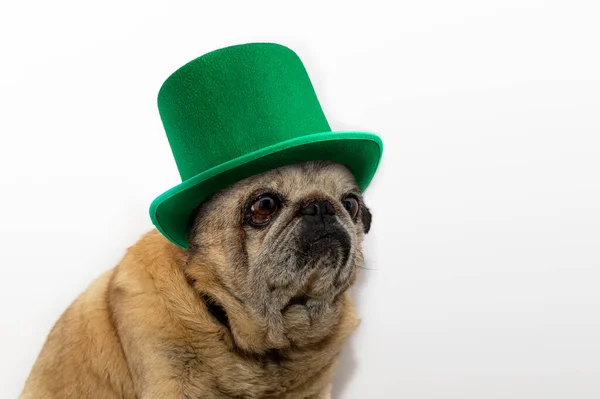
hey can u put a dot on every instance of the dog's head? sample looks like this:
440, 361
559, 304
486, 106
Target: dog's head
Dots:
281, 247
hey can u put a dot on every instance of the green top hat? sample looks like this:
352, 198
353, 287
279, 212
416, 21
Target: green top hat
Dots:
240, 111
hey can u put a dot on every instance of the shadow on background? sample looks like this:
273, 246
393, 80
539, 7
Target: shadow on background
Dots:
347, 361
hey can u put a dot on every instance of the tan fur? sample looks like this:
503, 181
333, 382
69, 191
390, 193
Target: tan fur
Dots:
141, 330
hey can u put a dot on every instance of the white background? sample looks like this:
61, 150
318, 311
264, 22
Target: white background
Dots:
484, 258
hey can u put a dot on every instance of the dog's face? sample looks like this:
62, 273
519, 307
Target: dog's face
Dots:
288, 240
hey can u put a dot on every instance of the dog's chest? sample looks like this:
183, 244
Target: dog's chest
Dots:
231, 375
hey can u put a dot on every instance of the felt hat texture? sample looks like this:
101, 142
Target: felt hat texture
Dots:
243, 110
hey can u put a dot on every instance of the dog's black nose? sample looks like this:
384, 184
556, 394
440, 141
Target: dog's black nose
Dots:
318, 208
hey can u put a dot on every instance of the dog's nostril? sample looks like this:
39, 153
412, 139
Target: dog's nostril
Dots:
318, 208
310, 209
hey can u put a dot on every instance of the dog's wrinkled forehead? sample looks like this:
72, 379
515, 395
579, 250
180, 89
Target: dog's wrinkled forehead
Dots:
302, 179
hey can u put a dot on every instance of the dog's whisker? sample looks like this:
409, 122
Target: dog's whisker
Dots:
366, 268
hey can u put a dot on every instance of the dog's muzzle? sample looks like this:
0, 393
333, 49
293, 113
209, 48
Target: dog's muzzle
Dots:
323, 240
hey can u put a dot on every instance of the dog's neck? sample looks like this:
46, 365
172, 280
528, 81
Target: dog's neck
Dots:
248, 328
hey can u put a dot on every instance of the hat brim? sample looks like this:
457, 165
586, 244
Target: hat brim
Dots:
360, 152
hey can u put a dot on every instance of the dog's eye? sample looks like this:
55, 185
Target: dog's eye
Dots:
263, 209
351, 205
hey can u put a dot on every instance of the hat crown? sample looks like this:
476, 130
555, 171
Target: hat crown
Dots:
236, 100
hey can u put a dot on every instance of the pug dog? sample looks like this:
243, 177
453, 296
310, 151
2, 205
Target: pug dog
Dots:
257, 307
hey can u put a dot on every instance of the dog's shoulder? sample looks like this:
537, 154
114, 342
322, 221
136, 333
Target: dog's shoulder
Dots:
82, 356
155, 312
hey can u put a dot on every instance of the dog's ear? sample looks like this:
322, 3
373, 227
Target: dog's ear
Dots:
366, 218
